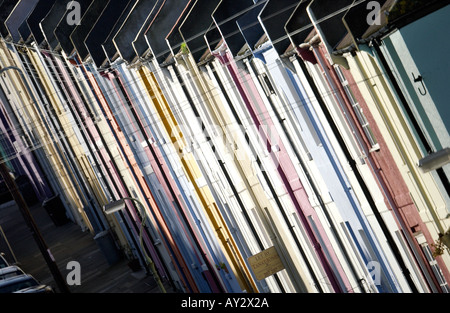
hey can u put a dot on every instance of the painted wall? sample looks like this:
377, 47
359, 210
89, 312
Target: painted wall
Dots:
416, 194
417, 49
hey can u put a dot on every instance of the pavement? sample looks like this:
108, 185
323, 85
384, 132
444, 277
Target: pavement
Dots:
68, 243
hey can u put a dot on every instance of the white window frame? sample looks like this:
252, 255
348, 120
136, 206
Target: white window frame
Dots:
358, 110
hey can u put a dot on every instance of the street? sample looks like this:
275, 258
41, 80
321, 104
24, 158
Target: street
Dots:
67, 243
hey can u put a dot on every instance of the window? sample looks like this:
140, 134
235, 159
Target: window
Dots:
431, 260
436, 269
357, 109
266, 84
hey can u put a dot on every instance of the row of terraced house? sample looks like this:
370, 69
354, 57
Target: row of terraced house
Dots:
280, 146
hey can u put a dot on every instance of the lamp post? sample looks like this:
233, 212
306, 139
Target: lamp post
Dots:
48, 257
23, 207
434, 160
119, 205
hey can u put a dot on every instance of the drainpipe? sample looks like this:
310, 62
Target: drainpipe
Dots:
247, 218
50, 173
215, 280
177, 257
197, 220
97, 222
45, 189
440, 171
176, 254
187, 283
77, 114
361, 181
314, 187
217, 221
221, 165
225, 172
222, 56
412, 243
56, 148
162, 265
423, 140
45, 250
272, 190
